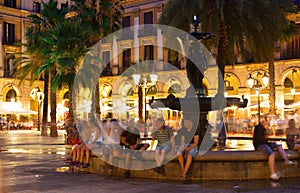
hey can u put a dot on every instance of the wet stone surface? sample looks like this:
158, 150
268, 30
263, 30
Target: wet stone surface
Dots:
36, 164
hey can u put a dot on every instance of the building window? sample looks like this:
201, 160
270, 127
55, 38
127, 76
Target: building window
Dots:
36, 7
288, 83
10, 3
126, 58
175, 88
126, 22
8, 65
228, 85
149, 52
152, 90
11, 96
8, 33
106, 58
148, 17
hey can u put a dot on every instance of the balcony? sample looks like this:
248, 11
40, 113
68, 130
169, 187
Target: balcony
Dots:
126, 34
106, 71
291, 53
147, 30
10, 41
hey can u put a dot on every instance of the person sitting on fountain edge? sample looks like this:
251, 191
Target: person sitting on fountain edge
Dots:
131, 140
189, 145
165, 139
261, 143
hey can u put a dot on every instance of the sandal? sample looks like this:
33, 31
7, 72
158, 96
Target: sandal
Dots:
85, 165
183, 178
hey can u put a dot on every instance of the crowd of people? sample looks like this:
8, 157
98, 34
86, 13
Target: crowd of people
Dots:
110, 138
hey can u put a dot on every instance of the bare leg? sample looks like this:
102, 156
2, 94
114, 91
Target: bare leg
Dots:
187, 164
282, 153
181, 161
162, 156
87, 154
157, 157
74, 154
127, 159
83, 149
272, 163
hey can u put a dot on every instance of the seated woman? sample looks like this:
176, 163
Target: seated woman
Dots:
292, 136
83, 130
93, 142
189, 146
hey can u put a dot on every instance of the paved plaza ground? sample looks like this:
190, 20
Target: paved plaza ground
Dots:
31, 163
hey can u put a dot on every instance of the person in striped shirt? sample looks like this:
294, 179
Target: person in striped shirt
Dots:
165, 142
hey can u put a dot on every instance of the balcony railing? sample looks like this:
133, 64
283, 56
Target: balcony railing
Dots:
291, 53
147, 30
106, 71
10, 41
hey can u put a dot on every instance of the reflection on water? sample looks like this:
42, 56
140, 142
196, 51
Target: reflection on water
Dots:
63, 169
37, 151
243, 145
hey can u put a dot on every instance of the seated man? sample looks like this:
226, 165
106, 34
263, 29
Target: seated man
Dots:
292, 136
261, 143
165, 139
130, 138
189, 145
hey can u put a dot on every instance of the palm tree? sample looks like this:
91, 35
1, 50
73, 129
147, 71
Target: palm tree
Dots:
245, 26
61, 45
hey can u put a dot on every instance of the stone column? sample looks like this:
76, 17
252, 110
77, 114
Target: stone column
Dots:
114, 65
1, 54
136, 37
279, 90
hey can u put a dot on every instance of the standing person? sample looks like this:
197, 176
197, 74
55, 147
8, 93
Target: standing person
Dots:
189, 145
292, 136
222, 136
261, 143
131, 140
165, 141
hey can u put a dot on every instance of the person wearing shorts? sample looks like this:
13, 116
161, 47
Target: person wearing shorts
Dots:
131, 140
261, 143
189, 146
165, 142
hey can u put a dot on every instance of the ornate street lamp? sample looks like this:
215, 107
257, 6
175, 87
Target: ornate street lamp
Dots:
141, 80
38, 95
255, 84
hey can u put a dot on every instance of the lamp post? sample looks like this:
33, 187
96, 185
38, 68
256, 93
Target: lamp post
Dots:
141, 80
257, 86
37, 94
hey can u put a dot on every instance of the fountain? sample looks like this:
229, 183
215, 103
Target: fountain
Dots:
195, 76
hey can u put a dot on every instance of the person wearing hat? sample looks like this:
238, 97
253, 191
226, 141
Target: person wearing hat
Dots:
189, 145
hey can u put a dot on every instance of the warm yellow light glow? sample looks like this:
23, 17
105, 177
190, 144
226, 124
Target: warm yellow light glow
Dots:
136, 78
265, 80
293, 91
250, 81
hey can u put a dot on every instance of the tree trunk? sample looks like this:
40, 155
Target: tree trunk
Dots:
97, 99
71, 111
221, 57
45, 104
140, 106
53, 130
272, 110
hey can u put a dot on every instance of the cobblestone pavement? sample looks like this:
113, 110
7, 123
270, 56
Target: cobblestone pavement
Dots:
31, 163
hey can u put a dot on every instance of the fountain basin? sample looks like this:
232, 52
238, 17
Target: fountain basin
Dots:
214, 165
